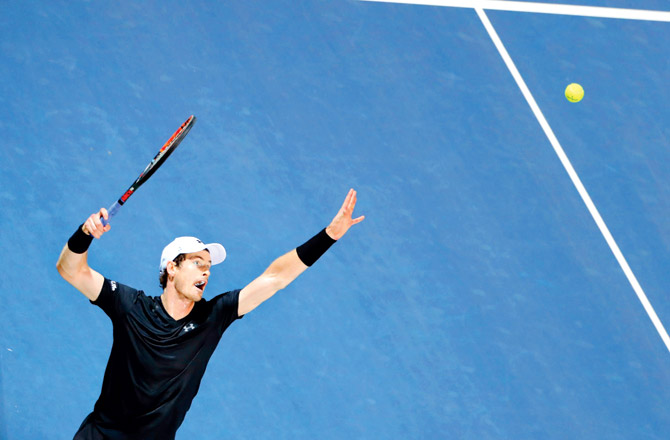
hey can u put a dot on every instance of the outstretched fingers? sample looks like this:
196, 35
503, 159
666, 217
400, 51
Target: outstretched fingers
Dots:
351, 195
352, 205
343, 220
350, 202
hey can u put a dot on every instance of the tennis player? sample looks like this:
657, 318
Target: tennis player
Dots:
162, 344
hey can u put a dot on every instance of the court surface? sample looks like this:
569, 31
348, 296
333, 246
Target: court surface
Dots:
478, 300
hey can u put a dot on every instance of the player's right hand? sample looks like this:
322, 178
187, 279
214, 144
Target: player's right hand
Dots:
93, 225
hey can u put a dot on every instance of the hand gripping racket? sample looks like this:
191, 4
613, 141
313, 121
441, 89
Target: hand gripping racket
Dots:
157, 161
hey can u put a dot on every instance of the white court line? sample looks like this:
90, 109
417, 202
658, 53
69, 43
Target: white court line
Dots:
604, 230
575, 179
543, 8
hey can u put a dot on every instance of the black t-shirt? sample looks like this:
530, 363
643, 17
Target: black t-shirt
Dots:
157, 363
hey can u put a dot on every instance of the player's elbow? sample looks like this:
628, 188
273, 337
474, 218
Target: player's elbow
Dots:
276, 282
62, 270
71, 274
60, 267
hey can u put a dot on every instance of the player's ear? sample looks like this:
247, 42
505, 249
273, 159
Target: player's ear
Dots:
171, 268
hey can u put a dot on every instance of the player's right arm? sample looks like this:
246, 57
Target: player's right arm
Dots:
73, 265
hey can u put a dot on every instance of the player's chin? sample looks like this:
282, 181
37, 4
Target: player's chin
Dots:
196, 294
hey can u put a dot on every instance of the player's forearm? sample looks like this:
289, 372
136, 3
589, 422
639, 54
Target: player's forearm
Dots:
279, 274
289, 266
284, 270
73, 257
73, 266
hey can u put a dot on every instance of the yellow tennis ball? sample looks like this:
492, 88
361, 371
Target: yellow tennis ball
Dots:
574, 92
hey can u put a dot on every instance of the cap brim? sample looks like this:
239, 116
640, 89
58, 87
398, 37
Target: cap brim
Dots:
217, 252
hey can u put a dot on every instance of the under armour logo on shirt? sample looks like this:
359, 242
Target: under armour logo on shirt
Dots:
113, 283
189, 327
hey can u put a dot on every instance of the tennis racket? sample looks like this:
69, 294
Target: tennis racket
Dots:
157, 161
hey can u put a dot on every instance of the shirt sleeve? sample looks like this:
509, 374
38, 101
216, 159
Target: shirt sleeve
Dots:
226, 307
115, 299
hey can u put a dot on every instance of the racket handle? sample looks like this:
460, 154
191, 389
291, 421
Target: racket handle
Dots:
111, 212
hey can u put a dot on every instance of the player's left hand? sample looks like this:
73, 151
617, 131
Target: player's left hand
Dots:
343, 220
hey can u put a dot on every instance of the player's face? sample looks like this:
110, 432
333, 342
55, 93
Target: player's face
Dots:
192, 274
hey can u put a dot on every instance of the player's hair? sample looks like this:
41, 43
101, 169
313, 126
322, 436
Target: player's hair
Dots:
163, 277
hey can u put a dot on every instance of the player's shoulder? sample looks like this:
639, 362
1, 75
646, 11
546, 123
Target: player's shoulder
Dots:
114, 288
226, 295
223, 300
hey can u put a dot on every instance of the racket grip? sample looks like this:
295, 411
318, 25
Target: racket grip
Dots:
111, 212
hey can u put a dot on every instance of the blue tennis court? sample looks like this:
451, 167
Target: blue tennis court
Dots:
478, 300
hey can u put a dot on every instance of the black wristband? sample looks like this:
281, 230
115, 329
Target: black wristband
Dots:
313, 248
80, 241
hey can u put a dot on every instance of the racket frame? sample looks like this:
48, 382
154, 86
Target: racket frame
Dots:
166, 150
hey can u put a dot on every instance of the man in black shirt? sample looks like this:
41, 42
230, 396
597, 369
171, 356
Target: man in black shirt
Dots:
162, 344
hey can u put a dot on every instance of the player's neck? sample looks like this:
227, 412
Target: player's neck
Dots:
175, 304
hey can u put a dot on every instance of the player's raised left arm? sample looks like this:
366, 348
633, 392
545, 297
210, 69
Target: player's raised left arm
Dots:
289, 266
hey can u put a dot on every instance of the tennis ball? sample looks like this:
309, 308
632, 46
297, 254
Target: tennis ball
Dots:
574, 92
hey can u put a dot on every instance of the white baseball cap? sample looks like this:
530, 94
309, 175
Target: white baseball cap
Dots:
187, 245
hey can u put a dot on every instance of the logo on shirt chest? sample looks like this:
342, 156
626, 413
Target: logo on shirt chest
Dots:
188, 327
